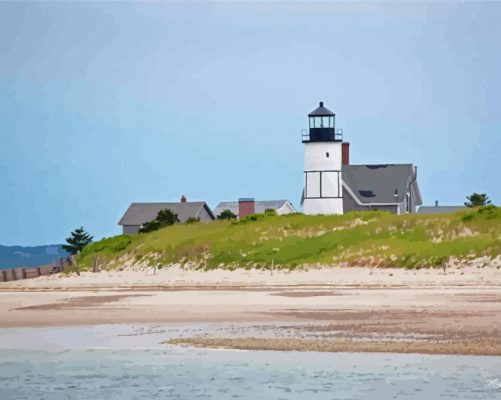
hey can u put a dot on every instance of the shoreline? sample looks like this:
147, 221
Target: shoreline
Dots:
325, 309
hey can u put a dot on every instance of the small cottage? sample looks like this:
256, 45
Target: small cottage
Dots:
139, 213
246, 206
438, 209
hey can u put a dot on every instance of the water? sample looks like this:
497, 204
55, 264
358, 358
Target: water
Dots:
157, 371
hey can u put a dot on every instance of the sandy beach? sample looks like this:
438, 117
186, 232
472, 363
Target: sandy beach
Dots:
322, 309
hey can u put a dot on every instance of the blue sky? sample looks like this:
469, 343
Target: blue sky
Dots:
102, 103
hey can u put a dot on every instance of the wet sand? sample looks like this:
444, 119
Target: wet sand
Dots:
477, 347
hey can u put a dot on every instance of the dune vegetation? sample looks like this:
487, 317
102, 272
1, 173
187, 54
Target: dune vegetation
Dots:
375, 238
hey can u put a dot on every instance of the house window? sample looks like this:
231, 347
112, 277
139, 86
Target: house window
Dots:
327, 154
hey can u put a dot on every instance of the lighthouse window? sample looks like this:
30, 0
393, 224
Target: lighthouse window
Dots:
327, 154
322, 122
317, 122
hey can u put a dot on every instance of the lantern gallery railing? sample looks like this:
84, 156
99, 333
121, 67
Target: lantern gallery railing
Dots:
322, 135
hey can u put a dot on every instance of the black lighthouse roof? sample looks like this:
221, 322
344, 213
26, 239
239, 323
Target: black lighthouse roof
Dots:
321, 111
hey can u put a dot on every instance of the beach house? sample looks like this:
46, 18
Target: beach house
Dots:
139, 213
246, 206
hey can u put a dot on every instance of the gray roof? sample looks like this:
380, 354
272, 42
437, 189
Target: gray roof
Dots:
320, 111
140, 213
440, 209
260, 206
377, 183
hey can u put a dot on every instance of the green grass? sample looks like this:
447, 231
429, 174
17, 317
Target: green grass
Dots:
357, 238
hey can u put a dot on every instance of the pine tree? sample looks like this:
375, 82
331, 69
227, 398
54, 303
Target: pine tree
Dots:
77, 241
164, 218
477, 200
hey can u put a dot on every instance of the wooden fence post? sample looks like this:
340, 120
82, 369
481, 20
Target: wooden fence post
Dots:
73, 260
4, 275
94, 264
23, 273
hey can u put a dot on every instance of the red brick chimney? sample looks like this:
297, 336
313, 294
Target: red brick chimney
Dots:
183, 199
246, 206
345, 151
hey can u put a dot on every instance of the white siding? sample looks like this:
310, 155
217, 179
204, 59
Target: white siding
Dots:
323, 179
323, 206
331, 183
285, 209
312, 184
315, 156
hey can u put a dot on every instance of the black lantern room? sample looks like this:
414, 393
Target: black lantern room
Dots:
322, 126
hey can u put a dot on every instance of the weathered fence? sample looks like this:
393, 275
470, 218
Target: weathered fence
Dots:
15, 274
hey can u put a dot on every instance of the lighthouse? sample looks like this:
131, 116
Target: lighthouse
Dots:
323, 192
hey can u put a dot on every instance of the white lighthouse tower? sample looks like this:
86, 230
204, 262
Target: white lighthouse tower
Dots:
323, 192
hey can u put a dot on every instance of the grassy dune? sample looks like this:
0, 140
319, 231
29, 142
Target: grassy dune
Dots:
358, 238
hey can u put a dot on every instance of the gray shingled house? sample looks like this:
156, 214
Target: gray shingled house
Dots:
389, 187
139, 213
436, 209
280, 206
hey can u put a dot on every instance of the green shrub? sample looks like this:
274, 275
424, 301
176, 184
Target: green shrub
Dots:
226, 214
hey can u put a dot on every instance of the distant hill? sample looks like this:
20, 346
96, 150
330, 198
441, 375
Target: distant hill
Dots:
19, 256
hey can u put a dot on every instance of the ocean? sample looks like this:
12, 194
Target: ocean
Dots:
105, 365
